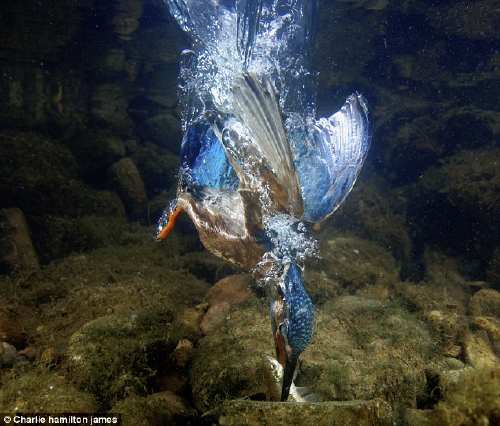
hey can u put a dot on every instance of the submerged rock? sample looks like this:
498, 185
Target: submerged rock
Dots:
474, 399
234, 289
485, 303
183, 353
230, 362
126, 20
356, 263
157, 168
41, 391
477, 20
11, 329
493, 272
109, 105
164, 130
225, 294
161, 408
96, 150
334, 413
365, 349
127, 181
16, 248
7, 354
116, 355
371, 213
478, 351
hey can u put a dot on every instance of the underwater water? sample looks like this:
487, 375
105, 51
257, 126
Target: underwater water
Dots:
339, 164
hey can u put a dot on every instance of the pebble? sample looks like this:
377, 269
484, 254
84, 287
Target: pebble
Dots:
7, 354
183, 353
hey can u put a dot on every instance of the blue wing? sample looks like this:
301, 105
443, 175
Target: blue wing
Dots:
204, 163
329, 164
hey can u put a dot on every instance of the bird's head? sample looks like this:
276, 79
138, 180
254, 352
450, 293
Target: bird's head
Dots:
292, 319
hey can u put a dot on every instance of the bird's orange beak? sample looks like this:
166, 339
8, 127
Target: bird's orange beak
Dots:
172, 219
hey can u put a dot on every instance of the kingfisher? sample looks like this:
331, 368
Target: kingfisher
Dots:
255, 167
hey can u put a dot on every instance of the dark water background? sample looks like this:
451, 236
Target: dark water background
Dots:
90, 134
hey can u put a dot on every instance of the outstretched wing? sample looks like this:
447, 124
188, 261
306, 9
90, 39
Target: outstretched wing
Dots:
329, 166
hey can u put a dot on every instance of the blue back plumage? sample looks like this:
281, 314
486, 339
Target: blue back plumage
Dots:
300, 310
204, 161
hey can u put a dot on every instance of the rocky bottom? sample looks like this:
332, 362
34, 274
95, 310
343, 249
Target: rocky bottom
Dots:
167, 334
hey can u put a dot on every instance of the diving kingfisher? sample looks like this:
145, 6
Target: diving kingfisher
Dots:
254, 162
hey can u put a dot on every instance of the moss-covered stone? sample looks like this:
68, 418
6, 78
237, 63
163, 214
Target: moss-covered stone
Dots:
113, 356
253, 413
365, 349
126, 179
231, 361
164, 130
371, 212
96, 150
355, 263
42, 391
493, 272
159, 408
474, 399
158, 168
463, 19
57, 237
109, 107
485, 303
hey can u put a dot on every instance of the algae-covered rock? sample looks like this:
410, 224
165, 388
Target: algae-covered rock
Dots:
228, 292
157, 168
7, 354
124, 280
16, 248
472, 180
492, 328
114, 355
42, 391
371, 213
126, 179
109, 107
126, 19
164, 130
365, 349
485, 303
473, 400
477, 20
356, 263
96, 150
161, 408
206, 266
467, 187
11, 330
478, 351
334, 413
57, 237
231, 361
493, 272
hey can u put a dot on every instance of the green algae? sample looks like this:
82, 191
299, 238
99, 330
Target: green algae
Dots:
231, 362
356, 263
364, 349
473, 400
251, 413
112, 316
157, 409
39, 390
113, 356
371, 212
